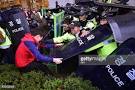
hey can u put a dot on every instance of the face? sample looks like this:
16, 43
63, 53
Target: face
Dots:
65, 27
83, 17
38, 38
75, 30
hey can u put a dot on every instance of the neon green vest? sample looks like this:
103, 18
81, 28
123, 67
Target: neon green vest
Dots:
92, 24
107, 49
7, 42
104, 48
65, 37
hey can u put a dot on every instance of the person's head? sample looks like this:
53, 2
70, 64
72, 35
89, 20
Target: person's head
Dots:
83, 16
66, 24
75, 27
38, 34
65, 27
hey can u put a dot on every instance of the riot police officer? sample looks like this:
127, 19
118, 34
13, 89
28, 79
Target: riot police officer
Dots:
88, 22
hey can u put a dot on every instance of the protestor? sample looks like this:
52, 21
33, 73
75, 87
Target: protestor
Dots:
28, 56
5, 49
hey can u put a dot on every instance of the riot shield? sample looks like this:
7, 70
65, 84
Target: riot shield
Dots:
117, 72
71, 50
80, 44
15, 21
123, 26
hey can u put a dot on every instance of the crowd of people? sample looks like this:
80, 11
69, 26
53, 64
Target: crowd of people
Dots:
28, 56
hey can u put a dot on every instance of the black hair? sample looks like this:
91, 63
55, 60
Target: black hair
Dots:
41, 30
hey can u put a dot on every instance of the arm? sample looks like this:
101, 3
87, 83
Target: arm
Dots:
32, 47
42, 45
57, 40
65, 37
50, 41
54, 40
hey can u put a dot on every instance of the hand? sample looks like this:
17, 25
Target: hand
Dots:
57, 60
59, 45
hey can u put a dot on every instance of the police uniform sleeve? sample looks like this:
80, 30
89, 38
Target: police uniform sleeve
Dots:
65, 37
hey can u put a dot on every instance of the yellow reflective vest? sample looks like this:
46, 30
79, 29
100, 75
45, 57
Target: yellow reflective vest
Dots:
7, 42
65, 37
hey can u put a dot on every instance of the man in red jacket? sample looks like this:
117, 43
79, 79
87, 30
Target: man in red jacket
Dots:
28, 56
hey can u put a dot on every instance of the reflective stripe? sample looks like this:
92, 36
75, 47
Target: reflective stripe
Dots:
4, 47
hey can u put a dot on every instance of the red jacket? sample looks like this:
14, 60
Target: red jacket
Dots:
27, 52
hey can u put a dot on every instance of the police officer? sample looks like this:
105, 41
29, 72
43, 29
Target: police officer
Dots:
5, 49
73, 31
105, 48
70, 34
87, 22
